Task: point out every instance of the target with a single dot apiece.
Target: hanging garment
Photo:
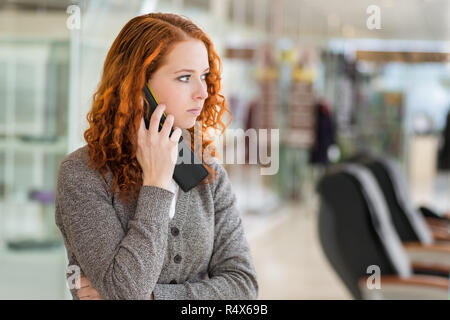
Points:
(444, 152)
(324, 134)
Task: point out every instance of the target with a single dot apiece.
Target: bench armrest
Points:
(436, 253)
(420, 287)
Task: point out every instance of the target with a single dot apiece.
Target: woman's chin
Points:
(188, 123)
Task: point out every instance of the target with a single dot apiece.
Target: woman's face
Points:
(181, 82)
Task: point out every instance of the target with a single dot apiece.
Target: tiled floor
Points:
(437, 197)
(288, 258)
(284, 242)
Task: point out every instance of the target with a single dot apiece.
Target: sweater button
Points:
(175, 231)
(177, 258)
(173, 281)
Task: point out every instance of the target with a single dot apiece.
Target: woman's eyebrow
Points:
(189, 70)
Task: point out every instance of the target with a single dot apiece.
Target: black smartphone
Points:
(186, 175)
(150, 106)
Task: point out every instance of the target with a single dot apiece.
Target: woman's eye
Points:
(188, 76)
(182, 77)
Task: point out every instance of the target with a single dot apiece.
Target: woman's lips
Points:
(195, 111)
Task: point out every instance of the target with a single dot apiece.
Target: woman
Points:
(127, 226)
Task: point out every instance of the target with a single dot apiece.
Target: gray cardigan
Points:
(128, 251)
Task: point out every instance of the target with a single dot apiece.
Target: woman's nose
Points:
(201, 90)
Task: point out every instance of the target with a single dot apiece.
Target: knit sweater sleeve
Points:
(231, 271)
(121, 264)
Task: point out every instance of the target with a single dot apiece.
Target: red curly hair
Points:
(117, 109)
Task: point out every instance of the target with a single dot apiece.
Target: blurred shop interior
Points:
(344, 96)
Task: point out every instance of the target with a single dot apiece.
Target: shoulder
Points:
(75, 167)
(76, 160)
(217, 166)
(80, 155)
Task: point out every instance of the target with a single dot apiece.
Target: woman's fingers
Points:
(167, 126)
(142, 128)
(87, 292)
(84, 282)
(92, 298)
(156, 118)
(155, 123)
(176, 134)
(142, 132)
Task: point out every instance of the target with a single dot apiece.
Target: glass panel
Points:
(2, 174)
(3, 92)
(25, 106)
(23, 175)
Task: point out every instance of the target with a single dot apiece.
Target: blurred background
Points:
(337, 78)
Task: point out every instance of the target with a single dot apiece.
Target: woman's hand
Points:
(157, 153)
(87, 290)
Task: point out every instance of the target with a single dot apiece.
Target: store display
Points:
(300, 115)
(381, 124)
(267, 113)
